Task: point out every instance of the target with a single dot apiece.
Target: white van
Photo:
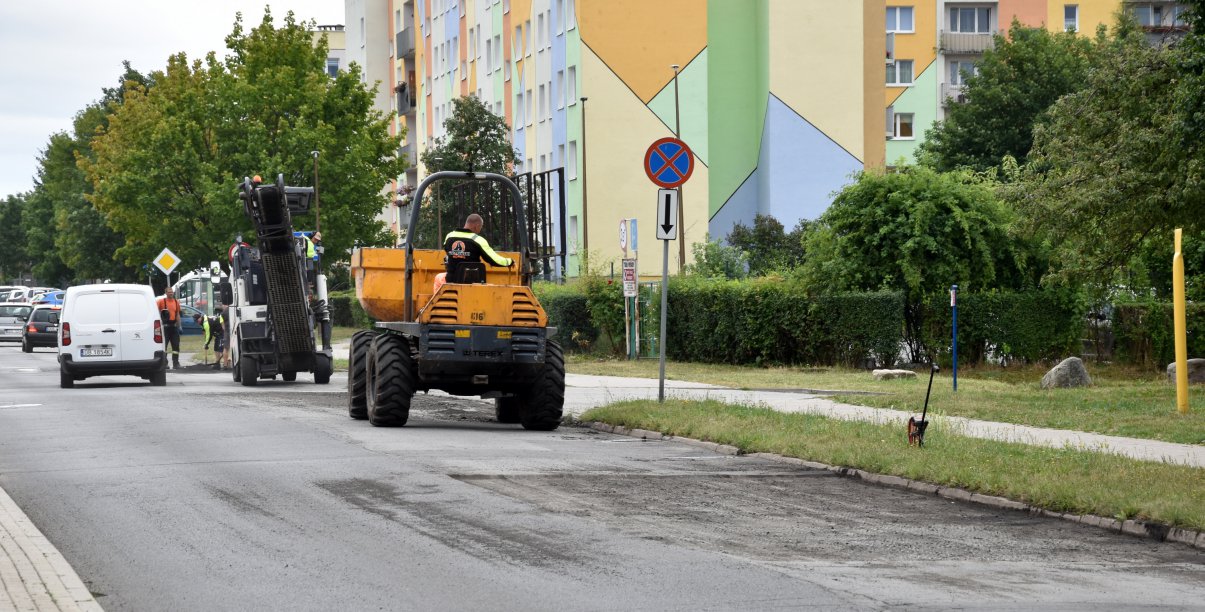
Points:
(110, 329)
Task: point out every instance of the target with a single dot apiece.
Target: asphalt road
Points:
(205, 495)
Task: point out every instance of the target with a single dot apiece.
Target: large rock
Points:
(890, 374)
(1070, 373)
(1196, 371)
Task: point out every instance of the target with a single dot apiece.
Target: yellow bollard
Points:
(1181, 328)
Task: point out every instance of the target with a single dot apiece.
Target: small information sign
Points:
(629, 277)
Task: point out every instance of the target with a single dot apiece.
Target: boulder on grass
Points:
(1070, 373)
(1196, 371)
(891, 374)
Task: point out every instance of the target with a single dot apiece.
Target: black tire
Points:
(248, 372)
(391, 381)
(357, 375)
(159, 379)
(544, 404)
(323, 368)
(288, 376)
(507, 409)
(66, 381)
(26, 347)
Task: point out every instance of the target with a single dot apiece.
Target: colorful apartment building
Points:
(781, 101)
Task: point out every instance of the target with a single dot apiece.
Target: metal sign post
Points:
(954, 335)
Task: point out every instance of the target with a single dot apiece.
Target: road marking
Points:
(20, 405)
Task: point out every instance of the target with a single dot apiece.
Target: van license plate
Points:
(96, 352)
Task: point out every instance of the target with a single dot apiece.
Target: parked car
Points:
(189, 327)
(12, 320)
(54, 298)
(15, 293)
(111, 329)
(41, 329)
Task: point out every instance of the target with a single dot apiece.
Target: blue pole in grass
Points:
(954, 337)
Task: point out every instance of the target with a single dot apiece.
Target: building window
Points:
(332, 66)
(527, 31)
(506, 71)
(573, 234)
(570, 16)
(362, 38)
(1071, 17)
(903, 126)
(497, 53)
(542, 107)
(560, 16)
(540, 30)
(572, 84)
(571, 161)
(972, 20)
(560, 89)
(560, 156)
(516, 43)
(899, 19)
(531, 101)
(899, 73)
(961, 70)
(543, 163)
(397, 21)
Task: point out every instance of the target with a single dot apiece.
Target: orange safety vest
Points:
(172, 306)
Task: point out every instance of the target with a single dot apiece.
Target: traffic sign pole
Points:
(664, 302)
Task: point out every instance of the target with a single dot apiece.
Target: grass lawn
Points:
(1124, 401)
(1057, 479)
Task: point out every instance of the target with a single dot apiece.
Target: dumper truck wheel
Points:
(248, 372)
(391, 383)
(544, 404)
(357, 375)
(323, 368)
(506, 409)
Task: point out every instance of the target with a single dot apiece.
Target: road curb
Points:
(1154, 531)
(33, 574)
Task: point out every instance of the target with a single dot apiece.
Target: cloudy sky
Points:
(59, 55)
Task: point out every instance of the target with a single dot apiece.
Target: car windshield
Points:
(42, 315)
(15, 311)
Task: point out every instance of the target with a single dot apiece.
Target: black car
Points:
(41, 329)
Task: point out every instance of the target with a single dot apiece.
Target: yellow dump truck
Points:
(487, 336)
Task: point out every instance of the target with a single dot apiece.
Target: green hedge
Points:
(1143, 333)
(768, 321)
(1026, 327)
(347, 312)
(568, 310)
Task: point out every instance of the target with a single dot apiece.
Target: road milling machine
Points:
(277, 293)
(482, 333)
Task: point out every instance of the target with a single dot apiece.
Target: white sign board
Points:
(667, 214)
(166, 261)
(629, 277)
(623, 235)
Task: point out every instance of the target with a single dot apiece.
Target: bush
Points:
(1143, 333)
(347, 312)
(1026, 327)
(569, 311)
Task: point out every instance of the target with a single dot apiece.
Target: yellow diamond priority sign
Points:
(166, 261)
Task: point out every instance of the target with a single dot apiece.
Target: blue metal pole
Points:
(954, 338)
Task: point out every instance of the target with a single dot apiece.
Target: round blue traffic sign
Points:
(669, 162)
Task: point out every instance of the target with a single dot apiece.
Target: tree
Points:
(714, 259)
(1015, 83)
(1108, 172)
(167, 167)
(475, 140)
(917, 231)
(768, 247)
(14, 262)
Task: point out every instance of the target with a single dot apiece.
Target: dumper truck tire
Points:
(288, 376)
(357, 375)
(323, 368)
(391, 382)
(543, 405)
(507, 409)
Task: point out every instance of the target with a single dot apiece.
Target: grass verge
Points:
(1123, 401)
(1062, 480)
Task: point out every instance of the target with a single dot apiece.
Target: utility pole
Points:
(681, 206)
(317, 201)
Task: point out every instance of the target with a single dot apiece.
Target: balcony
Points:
(952, 93)
(406, 151)
(966, 42)
(405, 44)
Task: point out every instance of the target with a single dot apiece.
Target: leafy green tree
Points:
(14, 261)
(1016, 82)
(37, 223)
(917, 231)
(167, 168)
(475, 140)
(714, 259)
(768, 246)
(1108, 173)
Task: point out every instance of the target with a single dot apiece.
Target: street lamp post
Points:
(317, 201)
(585, 191)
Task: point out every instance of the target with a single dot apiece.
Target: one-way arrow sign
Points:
(667, 214)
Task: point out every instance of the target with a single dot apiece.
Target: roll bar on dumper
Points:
(489, 339)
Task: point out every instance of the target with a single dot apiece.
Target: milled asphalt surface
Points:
(35, 576)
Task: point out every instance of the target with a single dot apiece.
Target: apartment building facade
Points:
(781, 101)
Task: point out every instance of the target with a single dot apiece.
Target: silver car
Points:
(12, 319)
